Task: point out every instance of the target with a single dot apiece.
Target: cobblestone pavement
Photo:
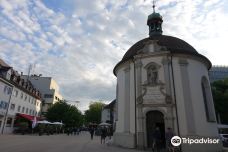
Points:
(56, 143)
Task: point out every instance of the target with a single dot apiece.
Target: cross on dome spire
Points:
(154, 22)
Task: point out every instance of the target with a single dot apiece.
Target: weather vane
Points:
(154, 5)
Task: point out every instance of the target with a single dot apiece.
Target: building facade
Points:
(163, 82)
(105, 115)
(108, 113)
(5, 95)
(218, 73)
(18, 97)
(48, 88)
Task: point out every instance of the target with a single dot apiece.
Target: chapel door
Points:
(155, 119)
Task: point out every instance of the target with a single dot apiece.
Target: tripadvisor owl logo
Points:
(176, 141)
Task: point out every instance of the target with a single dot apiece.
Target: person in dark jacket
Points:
(168, 136)
(91, 132)
(156, 146)
(103, 134)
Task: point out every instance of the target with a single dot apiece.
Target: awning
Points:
(28, 117)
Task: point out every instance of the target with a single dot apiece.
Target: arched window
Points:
(208, 100)
(152, 74)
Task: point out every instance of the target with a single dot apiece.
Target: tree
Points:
(68, 114)
(93, 114)
(220, 97)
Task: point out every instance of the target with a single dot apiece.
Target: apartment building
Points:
(18, 98)
(48, 88)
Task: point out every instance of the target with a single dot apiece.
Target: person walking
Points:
(168, 136)
(156, 146)
(103, 135)
(91, 132)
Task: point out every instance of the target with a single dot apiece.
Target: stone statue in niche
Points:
(152, 75)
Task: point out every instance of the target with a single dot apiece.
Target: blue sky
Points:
(78, 42)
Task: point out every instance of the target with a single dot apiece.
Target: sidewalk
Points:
(56, 143)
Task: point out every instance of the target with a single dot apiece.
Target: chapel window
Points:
(208, 101)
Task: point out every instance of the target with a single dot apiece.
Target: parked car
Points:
(223, 132)
(224, 138)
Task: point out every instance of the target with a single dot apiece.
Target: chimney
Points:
(21, 73)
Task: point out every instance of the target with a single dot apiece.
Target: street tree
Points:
(220, 97)
(93, 114)
(68, 114)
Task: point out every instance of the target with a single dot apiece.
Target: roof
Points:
(2, 63)
(154, 15)
(110, 105)
(172, 44)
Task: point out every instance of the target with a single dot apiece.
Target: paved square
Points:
(56, 143)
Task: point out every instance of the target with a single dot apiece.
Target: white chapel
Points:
(162, 81)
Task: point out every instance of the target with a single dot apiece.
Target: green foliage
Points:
(68, 114)
(220, 96)
(93, 114)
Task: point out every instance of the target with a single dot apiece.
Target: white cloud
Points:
(80, 50)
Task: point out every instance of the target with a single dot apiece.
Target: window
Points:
(25, 97)
(12, 106)
(18, 108)
(26, 111)
(48, 96)
(29, 99)
(208, 101)
(15, 93)
(7, 90)
(3, 105)
(9, 122)
(21, 95)
(30, 111)
(23, 110)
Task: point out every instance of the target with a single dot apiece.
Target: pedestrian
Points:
(103, 134)
(78, 130)
(156, 146)
(168, 136)
(91, 132)
(68, 131)
(109, 132)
